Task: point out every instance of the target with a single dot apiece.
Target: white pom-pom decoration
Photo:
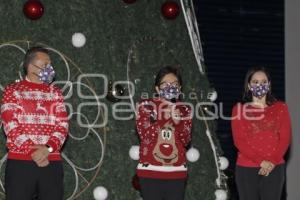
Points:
(100, 193)
(221, 194)
(192, 154)
(134, 152)
(224, 163)
(212, 95)
(78, 40)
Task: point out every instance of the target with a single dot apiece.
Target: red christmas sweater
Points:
(261, 134)
(33, 114)
(163, 140)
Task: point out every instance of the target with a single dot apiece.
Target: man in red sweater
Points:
(35, 122)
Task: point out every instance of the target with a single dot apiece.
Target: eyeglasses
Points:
(165, 84)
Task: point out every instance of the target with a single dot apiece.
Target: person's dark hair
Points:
(30, 55)
(247, 96)
(167, 70)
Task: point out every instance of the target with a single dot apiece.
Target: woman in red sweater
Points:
(164, 128)
(261, 131)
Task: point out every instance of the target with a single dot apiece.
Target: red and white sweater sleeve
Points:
(185, 125)
(285, 134)
(61, 129)
(147, 120)
(16, 139)
(240, 137)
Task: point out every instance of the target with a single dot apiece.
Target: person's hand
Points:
(168, 111)
(40, 155)
(266, 168)
(263, 172)
(43, 163)
(176, 116)
(171, 112)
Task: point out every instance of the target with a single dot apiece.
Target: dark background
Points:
(237, 35)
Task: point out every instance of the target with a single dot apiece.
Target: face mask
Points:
(170, 92)
(47, 74)
(260, 90)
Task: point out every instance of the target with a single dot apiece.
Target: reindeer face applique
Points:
(165, 150)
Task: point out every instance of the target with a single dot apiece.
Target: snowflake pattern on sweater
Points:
(33, 114)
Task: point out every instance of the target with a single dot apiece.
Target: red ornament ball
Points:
(33, 9)
(170, 9)
(129, 1)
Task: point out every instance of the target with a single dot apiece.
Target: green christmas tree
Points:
(127, 42)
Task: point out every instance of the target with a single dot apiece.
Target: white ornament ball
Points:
(212, 95)
(78, 40)
(100, 193)
(224, 163)
(221, 194)
(134, 152)
(192, 154)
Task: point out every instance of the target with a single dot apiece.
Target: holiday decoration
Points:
(129, 1)
(136, 183)
(224, 163)
(115, 91)
(134, 152)
(170, 9)
(212, 96)
(221, 194)
(78, 40)
(33, 9)
(98, 143)
(192, 154)
(100, 193)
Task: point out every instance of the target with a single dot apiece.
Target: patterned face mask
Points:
(260, 90)
(47, 74)
(169, 92)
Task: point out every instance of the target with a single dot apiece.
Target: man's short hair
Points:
(30, 55)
